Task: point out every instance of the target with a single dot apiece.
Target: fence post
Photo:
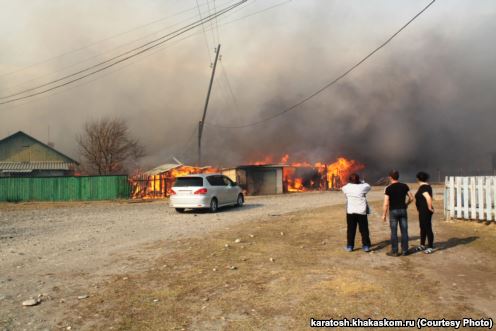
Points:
(446, 197)
(494, 196)
(451, 197)
(465, 198)
(458, 197)
(489, 204)
(473, 198)
(480, 191)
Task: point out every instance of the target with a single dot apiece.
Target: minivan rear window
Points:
(188, 181)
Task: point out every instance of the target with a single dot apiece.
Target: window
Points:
(227, 181)
(216, 180)
(188, 181)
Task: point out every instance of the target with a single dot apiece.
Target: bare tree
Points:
(107, 147)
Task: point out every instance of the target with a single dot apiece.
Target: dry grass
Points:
(310, 276)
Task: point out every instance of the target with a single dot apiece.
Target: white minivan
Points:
(205, 191)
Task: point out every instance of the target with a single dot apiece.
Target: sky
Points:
(425, 101)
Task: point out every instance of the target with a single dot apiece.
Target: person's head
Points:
(422, 176)
(394, 175)
(354, 178)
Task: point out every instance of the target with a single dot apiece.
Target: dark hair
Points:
(354, 178)
(394, 174)
(422, 176)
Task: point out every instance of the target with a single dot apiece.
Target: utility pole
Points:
(202, 122)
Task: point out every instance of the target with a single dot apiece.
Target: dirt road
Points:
(62, 251)
(287, 269)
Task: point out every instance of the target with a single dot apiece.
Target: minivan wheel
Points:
(180, 210)
(240, 201)
(214, 206)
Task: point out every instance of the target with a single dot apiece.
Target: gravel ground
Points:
(62, 251)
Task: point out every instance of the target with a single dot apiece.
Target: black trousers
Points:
(425, 220)
(363, 224)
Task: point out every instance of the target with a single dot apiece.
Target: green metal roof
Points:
(35, 165)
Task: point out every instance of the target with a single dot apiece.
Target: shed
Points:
(258, 179)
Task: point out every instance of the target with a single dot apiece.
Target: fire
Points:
(299, 176)
(158, 186)
(342, 169)
(304, 176)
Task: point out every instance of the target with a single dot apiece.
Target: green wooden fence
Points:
(64, 188)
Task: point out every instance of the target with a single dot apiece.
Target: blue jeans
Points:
(399, 216)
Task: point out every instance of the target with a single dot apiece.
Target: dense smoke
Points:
(427, 101)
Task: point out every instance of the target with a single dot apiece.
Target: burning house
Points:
(157, 183)
(305, 176)
(257, 178)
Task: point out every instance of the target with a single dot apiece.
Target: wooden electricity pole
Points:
(202, 122)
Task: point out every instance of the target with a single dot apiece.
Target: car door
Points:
(219, 188)
(231, 190)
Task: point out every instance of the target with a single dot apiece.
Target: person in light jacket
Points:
(356, 211)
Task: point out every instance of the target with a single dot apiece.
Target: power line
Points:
(282, 3)
(129, 43)
(177, 33)
(186, 28)
(204, 33)
(97, 42)
(109, 50)
(211, 24)
(326, 86)
(229, 86)
(159, 50)
(99, 55)
(217, 24)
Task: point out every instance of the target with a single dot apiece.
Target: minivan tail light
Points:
(172, 192)
(201, 191)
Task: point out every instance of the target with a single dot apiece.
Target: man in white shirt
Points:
(356, 212)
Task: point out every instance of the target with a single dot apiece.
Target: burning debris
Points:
(256, 178)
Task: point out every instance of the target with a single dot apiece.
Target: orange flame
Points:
(297, 176)
(160, 185)
(324, 175)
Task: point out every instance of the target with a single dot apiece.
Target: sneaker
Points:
(349, 249)
(392, 253)
(420, 248)
(366, 249)
(428, 251)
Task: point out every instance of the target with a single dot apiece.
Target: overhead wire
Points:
(72, 65)
(151, 53)
(204, 33)
(101, 54)
(216, 23)
(144, 48)
(97, 42)
(209, 10)
(327, 85)
(187, 28)
(186, 147)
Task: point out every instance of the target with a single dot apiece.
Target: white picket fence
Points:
(470, 198)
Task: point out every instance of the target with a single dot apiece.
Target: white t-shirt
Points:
(356, 198)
